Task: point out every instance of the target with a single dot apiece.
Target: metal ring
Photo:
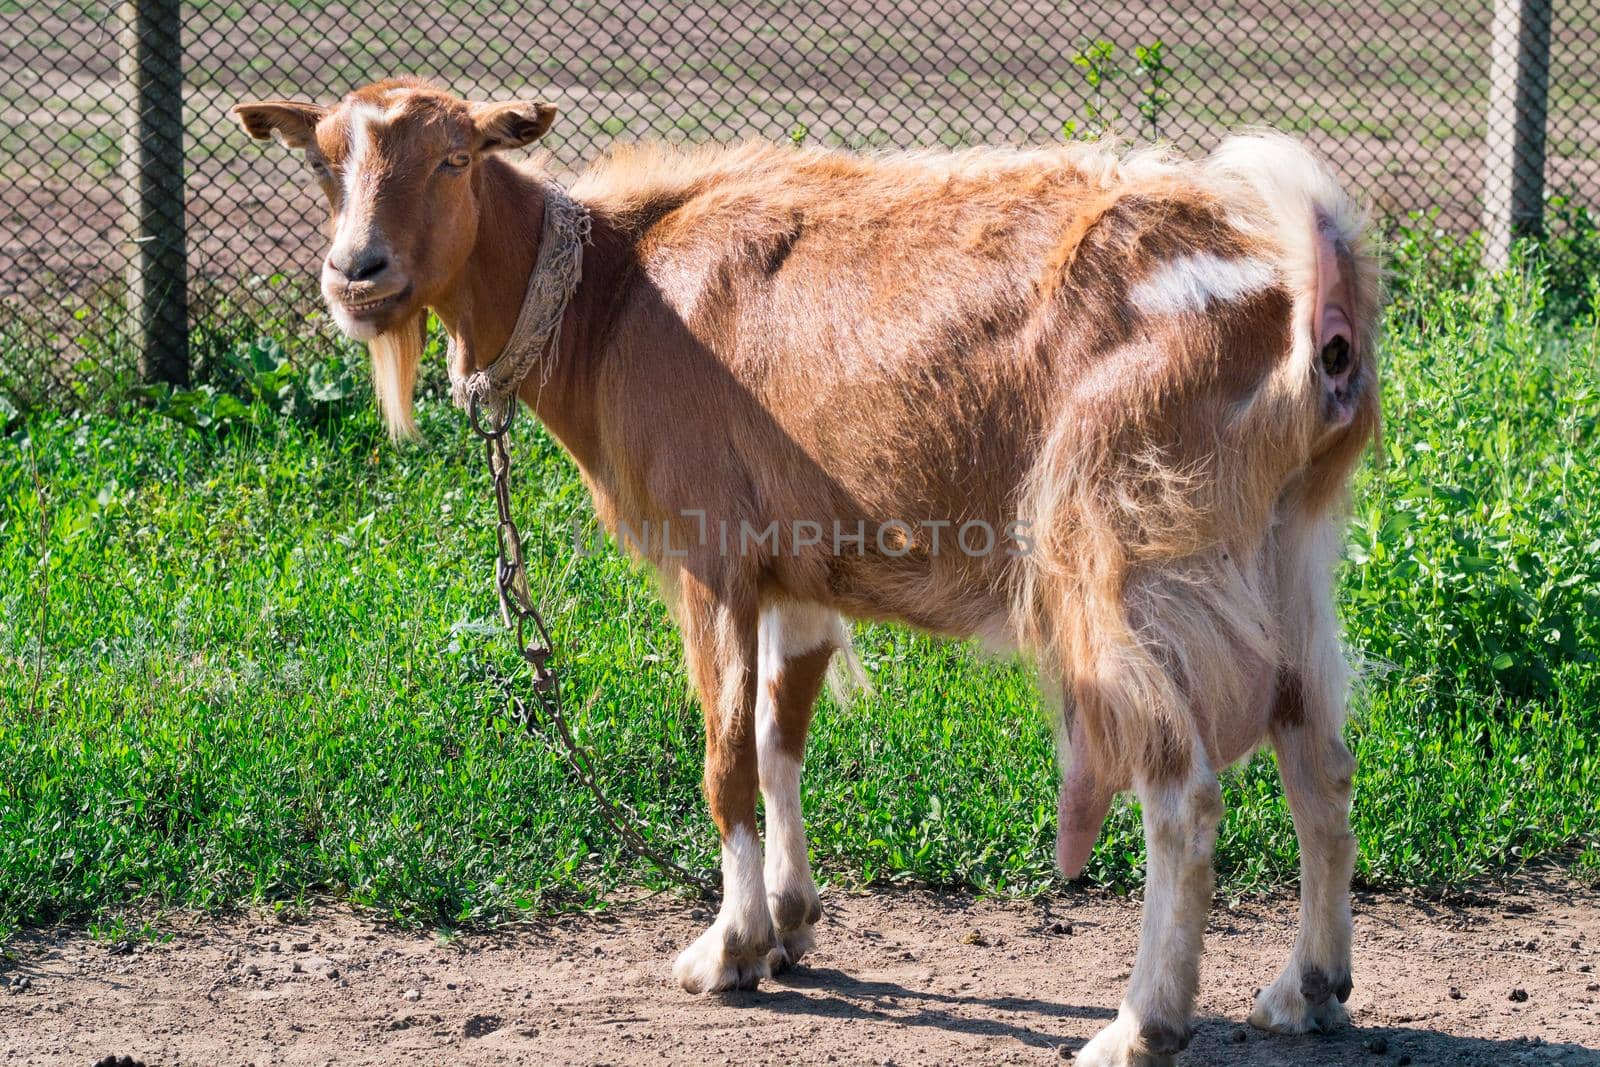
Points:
(496, 432)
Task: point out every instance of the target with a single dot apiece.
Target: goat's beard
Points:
(395, 355)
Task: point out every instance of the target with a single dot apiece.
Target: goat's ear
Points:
(511, 125)
(293, 121)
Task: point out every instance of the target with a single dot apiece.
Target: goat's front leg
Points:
(1181, 814)
(719, 637)
(797, 642)
(1317, 770)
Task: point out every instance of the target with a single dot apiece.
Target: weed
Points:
(1156, 98)
(1097, 61)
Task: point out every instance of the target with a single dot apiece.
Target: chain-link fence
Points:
(1399, 94)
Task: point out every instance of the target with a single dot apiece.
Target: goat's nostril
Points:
(1336, 356)
(367, 266)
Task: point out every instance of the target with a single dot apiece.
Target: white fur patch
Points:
(786, 836)
(789, 630)
(1191, 283)
(787, 867)
(707, 965)
(359, 190)
(744, 897)
(356, 223)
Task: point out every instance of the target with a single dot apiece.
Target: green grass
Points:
(243, 652)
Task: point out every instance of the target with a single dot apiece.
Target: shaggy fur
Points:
(896, 347)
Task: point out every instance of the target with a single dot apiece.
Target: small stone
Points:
(412, 995)
(1585, 968)
(301, 946)
(697, 914)
(449, 985)
(1377, 1046)
(1518, 995)
(1593, 987)
(331, 972)
(1239, 1037)
(344, 983)
(252, 970)
(1456, 994)
(297, 967)
(974, 937)
(1061, 928)
(276, 946)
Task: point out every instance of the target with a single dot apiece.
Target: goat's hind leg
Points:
(1317, 770)
(1182, 810)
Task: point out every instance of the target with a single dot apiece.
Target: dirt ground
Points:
(1505, 975)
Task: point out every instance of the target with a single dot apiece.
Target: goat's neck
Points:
(480, 308)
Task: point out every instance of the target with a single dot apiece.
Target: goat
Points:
(1154, 374)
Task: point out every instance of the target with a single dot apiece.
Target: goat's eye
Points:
(1336, 356)
(319, 168)
(456, 161)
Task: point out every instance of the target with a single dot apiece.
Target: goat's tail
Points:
(847, 678)
(1277, 186)
(1278, 189)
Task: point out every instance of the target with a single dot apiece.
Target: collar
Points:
(554, 279)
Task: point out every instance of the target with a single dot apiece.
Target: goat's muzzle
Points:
(368, 308)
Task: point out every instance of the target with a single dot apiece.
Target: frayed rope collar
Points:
(555, 278)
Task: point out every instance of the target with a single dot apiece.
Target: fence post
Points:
(152, 162)
(1519, 76)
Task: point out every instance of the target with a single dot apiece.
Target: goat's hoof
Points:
(722, 959)
(794, 917)
(791, 946)
(1126, 1044)
(1302, 1003)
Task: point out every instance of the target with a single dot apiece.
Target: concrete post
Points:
(1519, 76)
(152, 162)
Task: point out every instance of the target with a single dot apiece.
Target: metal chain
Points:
(546, 716)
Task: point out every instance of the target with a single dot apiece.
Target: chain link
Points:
(546, 715)
(1400, 106)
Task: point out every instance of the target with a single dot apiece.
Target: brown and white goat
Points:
(1155, 375)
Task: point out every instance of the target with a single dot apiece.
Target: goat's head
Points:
(398, 163)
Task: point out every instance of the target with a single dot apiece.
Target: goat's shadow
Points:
(830, 994)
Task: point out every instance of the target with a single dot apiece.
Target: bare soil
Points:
(1505, 975)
